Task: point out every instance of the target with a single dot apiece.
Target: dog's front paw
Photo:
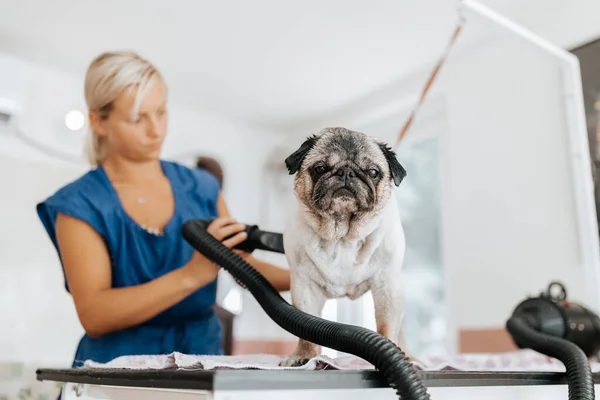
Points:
(294, 361)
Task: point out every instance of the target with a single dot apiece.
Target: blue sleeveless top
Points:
(191, 326)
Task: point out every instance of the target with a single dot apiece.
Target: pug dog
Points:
(345, 236)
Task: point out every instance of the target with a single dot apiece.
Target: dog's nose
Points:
(346, 173)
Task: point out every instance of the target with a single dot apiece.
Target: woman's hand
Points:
(278, 277)
(227, 227)
(203, 270)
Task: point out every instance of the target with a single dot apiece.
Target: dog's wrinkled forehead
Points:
(336, 145)
(341, 145)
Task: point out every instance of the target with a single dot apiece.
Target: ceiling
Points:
(264, 62)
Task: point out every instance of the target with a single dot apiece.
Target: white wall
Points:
(46, 330)
(566, 24)
(508, 208)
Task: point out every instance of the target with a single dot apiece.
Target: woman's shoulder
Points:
(89, 185)
(86, 198)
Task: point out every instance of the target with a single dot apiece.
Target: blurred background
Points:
(501, 156)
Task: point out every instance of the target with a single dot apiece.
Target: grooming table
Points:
(121, 384)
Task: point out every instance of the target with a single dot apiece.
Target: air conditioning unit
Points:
(9, 112)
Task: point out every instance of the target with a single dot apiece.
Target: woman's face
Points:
(136, 137)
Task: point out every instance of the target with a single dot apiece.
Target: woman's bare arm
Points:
(277, 276)
(103, 309)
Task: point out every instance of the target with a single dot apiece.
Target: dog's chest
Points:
(343, 269)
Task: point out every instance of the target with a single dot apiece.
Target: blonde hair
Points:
(107, 77)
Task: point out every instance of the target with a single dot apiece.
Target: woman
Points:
(137, 285)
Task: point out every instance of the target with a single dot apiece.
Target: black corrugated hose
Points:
(364, 343)
(579, 372)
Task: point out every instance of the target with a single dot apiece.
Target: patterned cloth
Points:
(522, 360)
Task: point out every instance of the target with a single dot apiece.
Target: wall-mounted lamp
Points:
(74, 120)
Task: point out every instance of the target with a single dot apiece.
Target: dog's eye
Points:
(373, 173)
(319, 169)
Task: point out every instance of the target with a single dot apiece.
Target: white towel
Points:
(249, 361)
(521, 360)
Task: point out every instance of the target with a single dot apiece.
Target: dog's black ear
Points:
(294, 161)
(398, 172)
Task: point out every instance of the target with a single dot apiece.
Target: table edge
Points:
(289, 380)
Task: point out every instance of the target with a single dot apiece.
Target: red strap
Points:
(429, 82)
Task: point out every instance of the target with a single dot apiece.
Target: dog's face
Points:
(342, 172)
